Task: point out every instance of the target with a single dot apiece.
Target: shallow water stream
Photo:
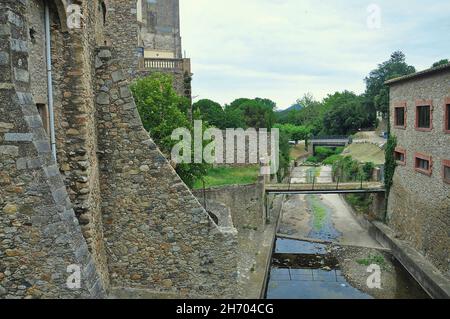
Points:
(305, 270)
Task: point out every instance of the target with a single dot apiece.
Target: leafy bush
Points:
(323, 153)
(312, 159)
(162, 110)
(368, 170)
(332, 159)
(348, 170)
(389, 168)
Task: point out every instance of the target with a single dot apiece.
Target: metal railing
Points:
(335, 137)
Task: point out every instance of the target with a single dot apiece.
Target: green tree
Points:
(257, 113)
(211, 111)
(162, 110)
(345, 114)
(377, 92)
(441, 62)
(294, 132)
(233, 118)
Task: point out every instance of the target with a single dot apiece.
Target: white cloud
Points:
(281, 49)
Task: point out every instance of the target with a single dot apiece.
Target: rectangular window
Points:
(43, 112)
(446, 171)
(423, 164)
(400, 117)
(400, 156)
(424, 115)
(424, 118)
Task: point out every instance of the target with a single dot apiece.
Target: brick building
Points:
(419, 201)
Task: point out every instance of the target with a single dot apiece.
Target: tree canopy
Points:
(377, 92)
(162, 110)
(441, 62)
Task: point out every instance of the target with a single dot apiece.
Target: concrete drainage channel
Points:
(311, 270)
(321, 251)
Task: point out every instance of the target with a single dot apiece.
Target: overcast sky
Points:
(282, 49)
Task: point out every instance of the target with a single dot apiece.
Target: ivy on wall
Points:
(389, 168)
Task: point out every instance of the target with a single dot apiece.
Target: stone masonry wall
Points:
(245, 201)
(419, 205)
(39, 233)
(158, 236)
(122, 33)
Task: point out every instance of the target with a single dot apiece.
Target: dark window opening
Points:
(447, 173)
(422, 164)
(424, 116)
(104, 12)
(213, 217)
(399, 116)
(399, 156)
(33, 35)
(43, 112)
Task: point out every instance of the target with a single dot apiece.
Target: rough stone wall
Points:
(158, 236)
(73, 59)
(115, 206)
(419, 205)
(122, 33)
(245, 201)
(162, 28)
(36, 45)
(39, 233)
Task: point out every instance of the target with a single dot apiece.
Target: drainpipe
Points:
(50, 79)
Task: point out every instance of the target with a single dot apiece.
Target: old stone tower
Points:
(159, 42)
(110, 204)
(160, 30)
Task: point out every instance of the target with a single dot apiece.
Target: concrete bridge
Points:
(326, 188)
(329, 141)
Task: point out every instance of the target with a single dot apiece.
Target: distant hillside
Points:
(282, 115)
(295, 107)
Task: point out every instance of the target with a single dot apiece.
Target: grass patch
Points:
(319, 213)
(373, 259)
(222, 176)
(365, 153)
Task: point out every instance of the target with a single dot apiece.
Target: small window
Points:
(400, 156)
(446, 171)
(400, 120)
(43, 112)
(424, 116)
(423, 164)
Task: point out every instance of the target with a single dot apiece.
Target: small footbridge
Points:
(330, 141)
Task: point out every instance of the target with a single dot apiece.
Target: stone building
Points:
(159, 42)
(419, 201)
(110, 205)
